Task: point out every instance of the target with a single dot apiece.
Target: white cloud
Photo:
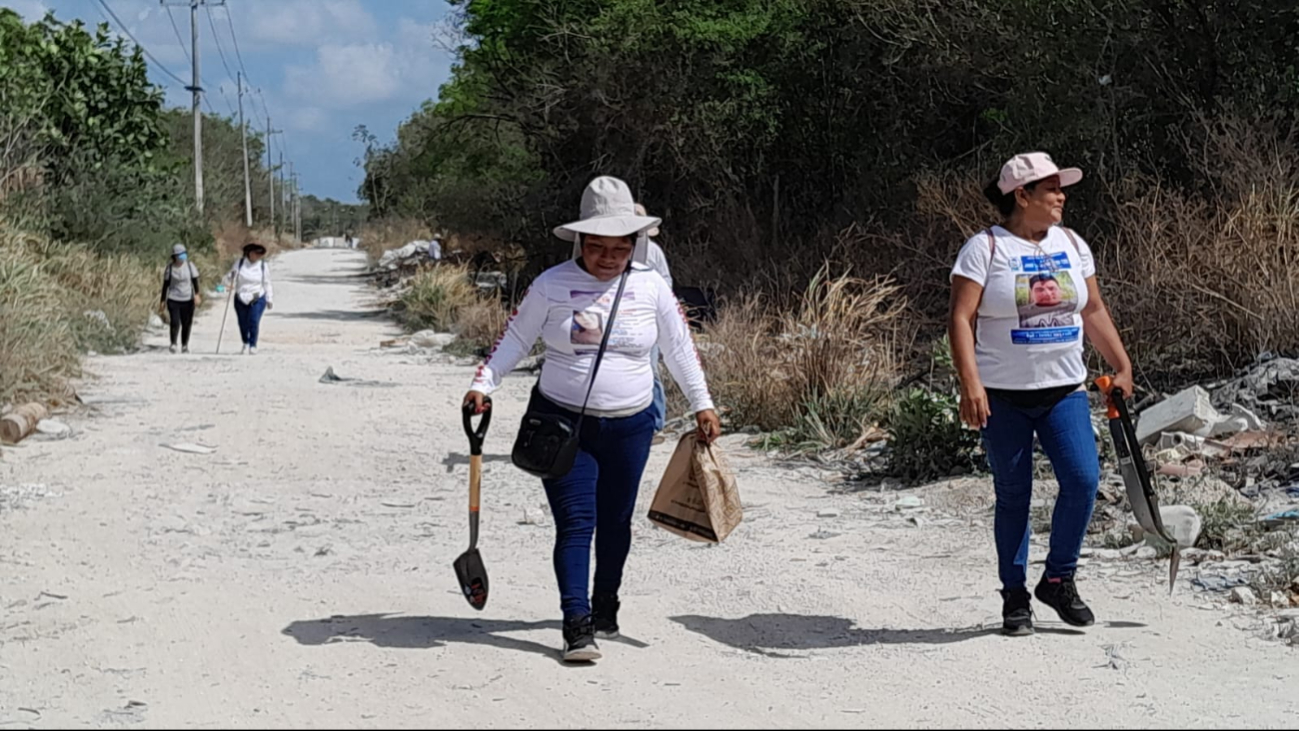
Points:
(31, 10)
(354, 74)
(307, 119)
(346, 75)
(311, 22)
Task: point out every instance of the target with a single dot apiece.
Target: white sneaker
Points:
(184, 349)
(243, 350)
(172, 349)
(252, 351)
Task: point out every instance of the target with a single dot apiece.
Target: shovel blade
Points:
(472, 574)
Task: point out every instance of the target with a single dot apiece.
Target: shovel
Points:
(1136, 475)
(469, 567)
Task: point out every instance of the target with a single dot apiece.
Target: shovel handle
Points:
(1104, 384)
(477, 436)
(475, 487)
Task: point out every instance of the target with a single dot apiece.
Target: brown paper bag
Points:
(698, 498)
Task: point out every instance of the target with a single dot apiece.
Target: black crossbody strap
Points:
(604, 343)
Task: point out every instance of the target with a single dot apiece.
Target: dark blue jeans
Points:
(1065, 433)
(597, 498)
(250, 320)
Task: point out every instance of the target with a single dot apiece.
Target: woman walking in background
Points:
(180, 295)
(600, 295)
(1024, 294)
(253, 294)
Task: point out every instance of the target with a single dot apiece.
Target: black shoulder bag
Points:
(547, 444)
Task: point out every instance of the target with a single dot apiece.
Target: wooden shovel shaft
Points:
(475, 491)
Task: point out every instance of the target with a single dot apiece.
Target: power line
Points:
(234, 37)
(212, 24)
(176, 29)
(145, 51)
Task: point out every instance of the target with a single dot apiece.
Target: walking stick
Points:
(225, 315)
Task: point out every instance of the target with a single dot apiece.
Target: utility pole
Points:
(297, 208)
(196, 88)
(270, 166)
(243, 130)
(284, 197)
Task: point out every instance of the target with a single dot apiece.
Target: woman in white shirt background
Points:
(598, 496)
(180, 295)
(253, 294)
(1022, 374)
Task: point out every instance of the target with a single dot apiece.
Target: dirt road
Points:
(300, 575)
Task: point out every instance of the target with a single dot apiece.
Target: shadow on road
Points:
(454, 459)
(418, 633)
(422, 633)
(338, 315)
(769, 634)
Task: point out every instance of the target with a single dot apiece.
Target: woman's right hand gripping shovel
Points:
(470, 570)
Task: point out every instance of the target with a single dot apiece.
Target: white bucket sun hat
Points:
(608, 209)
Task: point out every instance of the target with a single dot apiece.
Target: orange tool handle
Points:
(1105, 384)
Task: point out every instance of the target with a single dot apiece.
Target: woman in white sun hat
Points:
(604, 294)
(1024, 294)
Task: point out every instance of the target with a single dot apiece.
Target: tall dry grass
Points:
(481, 322)
(435, 298)
(59, 300)
(1202, 282)
(819, 372)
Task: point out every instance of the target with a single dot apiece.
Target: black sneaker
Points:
(1062, 596)
(579, 640)
(604, 613)
(1017, 613)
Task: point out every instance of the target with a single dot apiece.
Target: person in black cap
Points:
(253, 293)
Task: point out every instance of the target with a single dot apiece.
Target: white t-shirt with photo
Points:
(1029, 332)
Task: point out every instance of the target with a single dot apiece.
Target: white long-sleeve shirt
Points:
(568, 309)
(658, 261)
(251, 279)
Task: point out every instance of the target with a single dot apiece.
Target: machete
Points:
(1136, 475)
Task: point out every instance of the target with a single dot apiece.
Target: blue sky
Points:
(322, 67)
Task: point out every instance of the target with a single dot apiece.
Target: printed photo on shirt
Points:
(588, 328)
(1047, 302)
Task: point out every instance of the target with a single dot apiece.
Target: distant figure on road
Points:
(180, 295)
(349, 240)
(252, 292)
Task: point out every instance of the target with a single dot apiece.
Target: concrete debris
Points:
(432, 339)
(1243, 596)
(1182, 523)
(909, 502)
(1266, 387)
(1190, 411)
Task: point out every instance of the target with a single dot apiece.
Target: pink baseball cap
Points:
(1031, 167)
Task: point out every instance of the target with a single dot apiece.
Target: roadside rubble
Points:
(397, 266)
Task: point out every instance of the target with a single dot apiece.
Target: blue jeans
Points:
(660, 405)
(597, 498)
(250, 320)
(1065, 433)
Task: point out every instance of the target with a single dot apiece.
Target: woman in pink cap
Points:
(1024, 294)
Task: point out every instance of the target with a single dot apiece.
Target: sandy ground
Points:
(300, 575)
